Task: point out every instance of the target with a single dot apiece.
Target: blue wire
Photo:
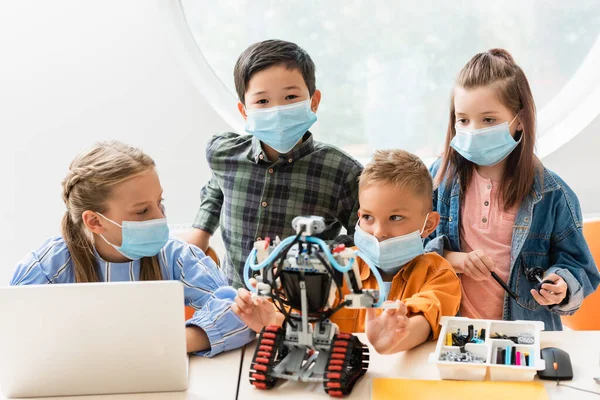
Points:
(257, 267)
(274, 254)
(309, 239)
(251, 256)
(343, 269)
(330, 256)
(382, 291)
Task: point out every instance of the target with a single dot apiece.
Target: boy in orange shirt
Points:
(395, 213)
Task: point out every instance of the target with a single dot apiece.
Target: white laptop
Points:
(92, 338)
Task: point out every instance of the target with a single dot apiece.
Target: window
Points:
(386, 69)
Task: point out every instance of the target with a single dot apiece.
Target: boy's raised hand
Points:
(255, 312)
(387, 330)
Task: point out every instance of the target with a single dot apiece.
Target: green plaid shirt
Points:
(254, 198)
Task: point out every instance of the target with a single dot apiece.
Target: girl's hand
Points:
(255, 312)
(551, 293)
(476, 264)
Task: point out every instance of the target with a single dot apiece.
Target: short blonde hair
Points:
(401, 169)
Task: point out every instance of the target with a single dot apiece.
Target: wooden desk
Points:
(210, 378)
(582, 346)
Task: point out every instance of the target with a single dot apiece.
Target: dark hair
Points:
(263, 55)
(496, 68)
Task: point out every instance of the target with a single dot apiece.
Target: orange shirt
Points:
(486, 226)
(427, 285)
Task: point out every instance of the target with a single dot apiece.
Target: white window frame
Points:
(566, 115)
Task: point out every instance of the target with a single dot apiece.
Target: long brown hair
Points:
(87, 186)
(496, 68)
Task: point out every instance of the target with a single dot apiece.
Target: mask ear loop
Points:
(102, 236)
(424, 223)
(513, 120)
(517, 134)
(108, 219)
(109, 243)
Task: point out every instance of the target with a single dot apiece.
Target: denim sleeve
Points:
(435, 243)
(206, 290)
(571, 260)
(570, 257)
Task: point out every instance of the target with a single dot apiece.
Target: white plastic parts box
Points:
(488, 349)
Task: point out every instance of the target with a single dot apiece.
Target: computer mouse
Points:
(558, 365)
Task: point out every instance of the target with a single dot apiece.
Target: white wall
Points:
(578, 163)
(73, 72)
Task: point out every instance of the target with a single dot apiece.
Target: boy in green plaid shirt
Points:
(261, 181)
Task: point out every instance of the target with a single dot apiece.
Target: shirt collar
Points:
(306, 147)
(543, 182)
(256, 152)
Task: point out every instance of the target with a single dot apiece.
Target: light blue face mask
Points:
(141, 238)
(280, 127)
(487, 146)
(391, 254)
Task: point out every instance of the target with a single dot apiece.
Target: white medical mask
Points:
(391, 254)
(487, 146)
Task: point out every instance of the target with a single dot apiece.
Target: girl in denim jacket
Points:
(501, 210)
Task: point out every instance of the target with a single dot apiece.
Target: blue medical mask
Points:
(280, 127)
(141, 238)
(391, 254)
(487, 146)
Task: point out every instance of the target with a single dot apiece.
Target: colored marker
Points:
(513, 356)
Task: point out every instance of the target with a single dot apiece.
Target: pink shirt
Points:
(485, 226)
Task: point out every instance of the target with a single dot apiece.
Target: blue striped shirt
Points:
(205, 286)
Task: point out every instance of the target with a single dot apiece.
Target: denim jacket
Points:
(547, 234)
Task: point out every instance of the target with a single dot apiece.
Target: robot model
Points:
(304, 277)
